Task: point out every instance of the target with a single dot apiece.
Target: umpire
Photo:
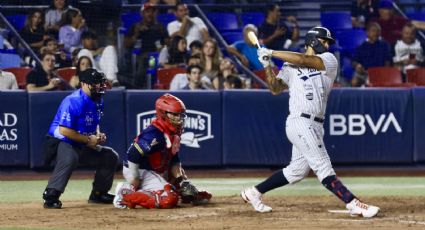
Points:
(74, 138)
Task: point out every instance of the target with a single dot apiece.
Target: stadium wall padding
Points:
(234, 128)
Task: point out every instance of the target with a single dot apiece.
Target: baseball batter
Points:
(309, 77)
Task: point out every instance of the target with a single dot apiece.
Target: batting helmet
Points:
(311, 38)
(171, 113)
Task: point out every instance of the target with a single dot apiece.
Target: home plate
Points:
(339, 211)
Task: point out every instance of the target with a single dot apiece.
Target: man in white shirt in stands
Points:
(7, 81)
(191, 28)
(408, 50)
(181, 80)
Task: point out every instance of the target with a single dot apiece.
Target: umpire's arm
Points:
(90, 141)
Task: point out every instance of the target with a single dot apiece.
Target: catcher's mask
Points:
(171, 113)
(311, 39)
(96, 82)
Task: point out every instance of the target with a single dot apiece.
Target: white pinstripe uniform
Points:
(308, 94)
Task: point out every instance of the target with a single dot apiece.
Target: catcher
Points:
(153, 172)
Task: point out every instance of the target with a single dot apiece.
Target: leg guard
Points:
(166, 198)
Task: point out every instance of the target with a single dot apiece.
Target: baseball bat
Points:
(254, 40)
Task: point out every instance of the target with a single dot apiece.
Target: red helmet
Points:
(171, 113)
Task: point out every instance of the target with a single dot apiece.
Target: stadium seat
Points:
(416, 76)
(128, 19)
(9, 59)
(384, 76)
(336, 20)
(256, 18)
(165, 76)
(416, 16)
(17, 20)
(232, 37)
(349, 40)
(224, 21)
(67, 73)
(166, 18)
(391, 85)
(20, 74)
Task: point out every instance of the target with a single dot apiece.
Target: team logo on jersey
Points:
(197, 126)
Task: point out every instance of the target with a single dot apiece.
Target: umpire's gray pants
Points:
(67, 160)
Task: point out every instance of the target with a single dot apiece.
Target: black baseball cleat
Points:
(54, 204)
(51, 198)
(101, 198)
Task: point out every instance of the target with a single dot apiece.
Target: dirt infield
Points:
(223, 213)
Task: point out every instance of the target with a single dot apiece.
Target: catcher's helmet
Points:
(171, 113)
(96, 80)
(311, 38)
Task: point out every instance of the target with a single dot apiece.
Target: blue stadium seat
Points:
(336, 20)
(407, 1)
(350, 39)
(1, 42)
(17, 20)
(166, 18)
(416, 16)
(256, 18)
(232, 37)
(224, 21)
(9, 59)
(128, 19)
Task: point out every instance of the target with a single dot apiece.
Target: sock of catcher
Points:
(333, 184)
(274, 181)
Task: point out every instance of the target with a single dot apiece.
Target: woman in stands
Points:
(33, 32)
(83, 63)
(54, 15)
(210, 58)
(227, 68)
(175, 55)
(73, 24)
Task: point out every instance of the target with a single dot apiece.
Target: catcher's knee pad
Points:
(168, 198)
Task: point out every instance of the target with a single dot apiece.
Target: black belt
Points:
(316, 119)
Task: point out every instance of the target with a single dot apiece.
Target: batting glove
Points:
(264, 56)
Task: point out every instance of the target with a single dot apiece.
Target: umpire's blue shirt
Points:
(78, 112)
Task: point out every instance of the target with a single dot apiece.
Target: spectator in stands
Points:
(233, 82)
(51, 46)
(73, 24)
(276, 35)
(43, 78)
(33, 32)
(148, 31)
(227, 68)
(149, 35)
(392, 24)
(362, 11)
(104, 59)
(195, 47)
(210, 58)
(54, 15)
(374, 52)
(181, 80)
(245, 51)
(175, 55)
(192, 28)
(7, 81)
(194, 73)
(408, 50)
(83, 63)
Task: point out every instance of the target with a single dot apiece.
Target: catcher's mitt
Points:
(188, 192)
